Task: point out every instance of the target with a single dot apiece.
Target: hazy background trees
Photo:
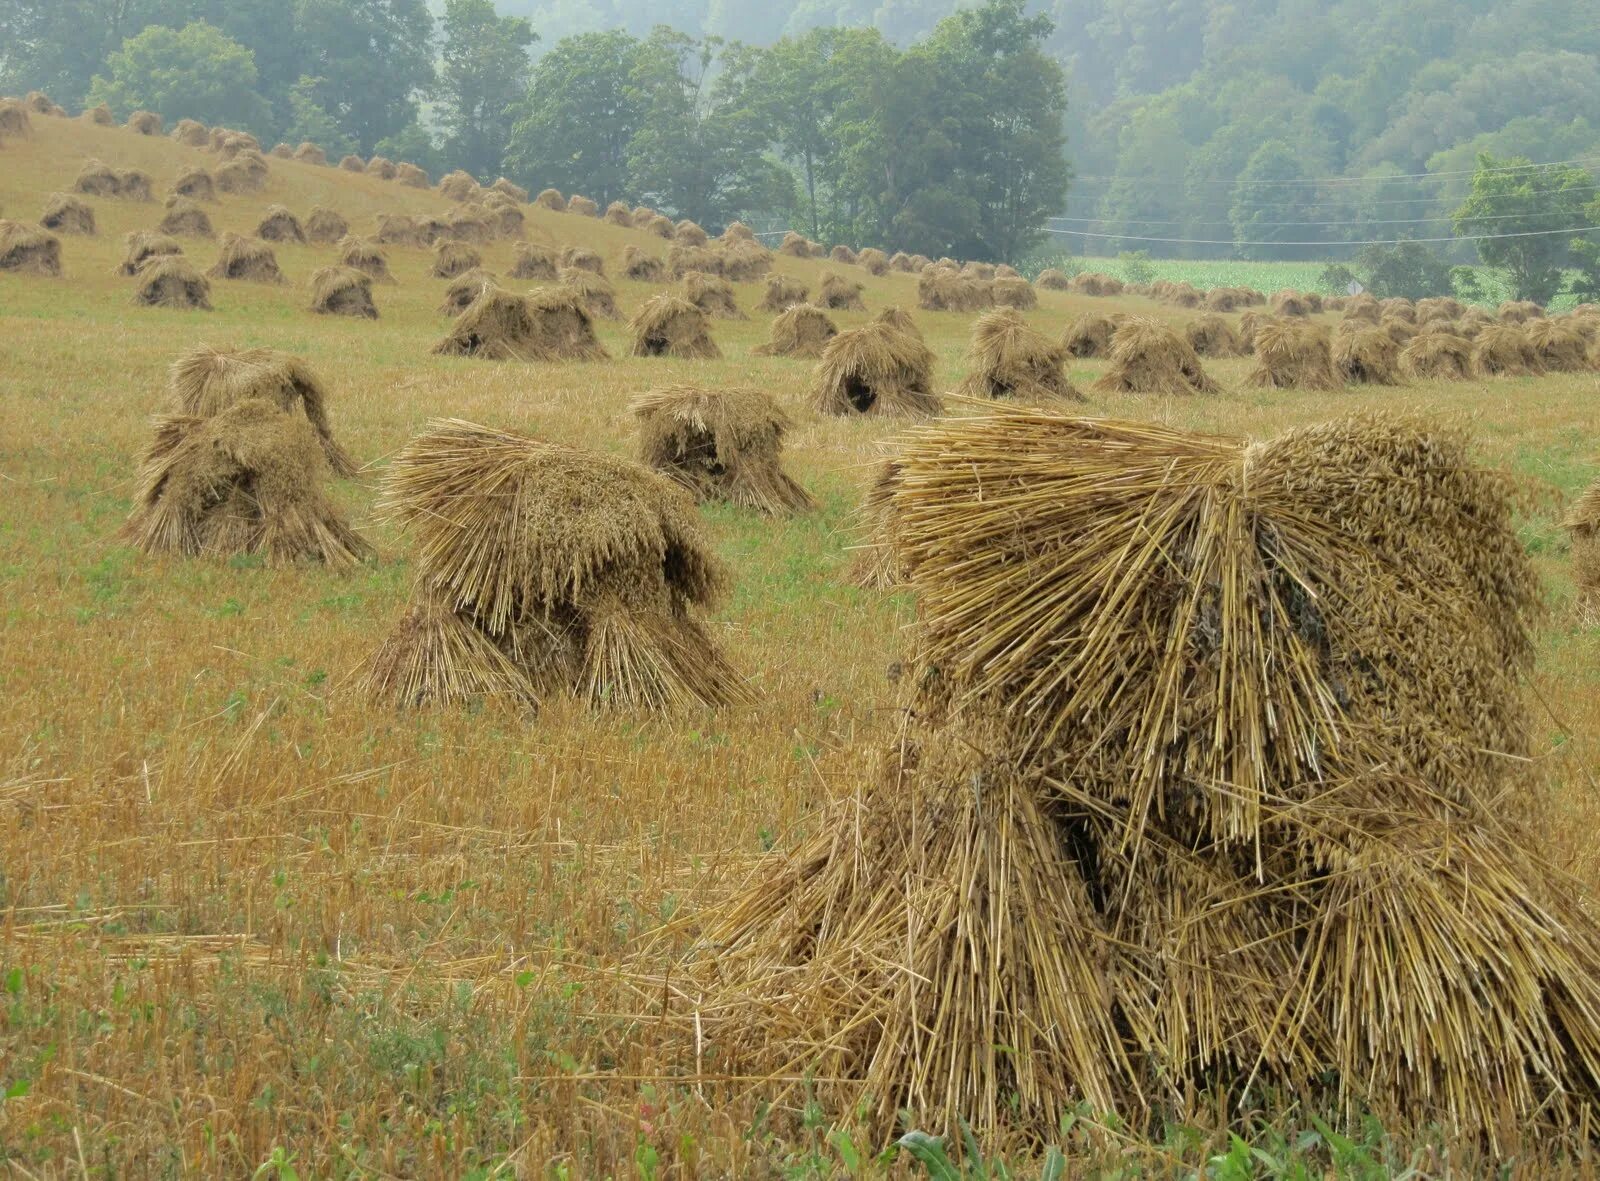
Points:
(1175, 127)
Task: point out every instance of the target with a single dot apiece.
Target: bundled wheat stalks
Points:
(545, 569)
(724, 444)
(1210, 782)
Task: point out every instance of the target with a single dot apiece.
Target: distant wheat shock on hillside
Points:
(499, 681)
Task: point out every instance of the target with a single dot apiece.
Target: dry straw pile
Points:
(800, 330)
(943, 290)
(29, 250)
(1437, 356)
(668, 325)
(1212, 336)
(1292, 354)
(838, 294)
(1366, 356)
(1560, 345)
(1147, 357)
(280, 225)
(1090, 335)
(582, 206)
(185, 219)
(240, 467)
(583, 259)
(642, 267)
(247, 480)
(366, 256)
(1504, 350)
(1007, 359)
(194, 183)
(1051, 279)
(247, 259)
(711, 294)
(324, 225)
(171, 281)
(1010, 291)
(551, 199)
(142, 244)
(310, 153)
(15, 122)
(454, 258)
(542, 569)
(191, 133)
(1250, 825)
(206, 381)
(551, 324)
(594, 291)
(782, 292)
(342, 291)
(66, 214)
(722, 445)
(95, 179)
(875, 369)
(532, 261)
(464, 289)
(411, 176)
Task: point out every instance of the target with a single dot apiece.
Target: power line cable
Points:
(1371, 242)
(1581, 162)
(1397, 221)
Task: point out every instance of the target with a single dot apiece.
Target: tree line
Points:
(954, 144)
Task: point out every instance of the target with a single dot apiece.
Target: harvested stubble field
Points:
(245, 916)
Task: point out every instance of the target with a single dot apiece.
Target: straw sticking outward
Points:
(721, 445)
(1210, 773)
(572, 571)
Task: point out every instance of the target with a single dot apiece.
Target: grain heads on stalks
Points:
(325, 225)
(342, 291)
(542, 569)
(532, 261)
(551, 324)
(1366, 356)
(1293, 355)
(280, 225)
(1147, 357)
(800, 330)
(875, 369)
(247, 480)
(171, 281)
(29, 250)
(142, 244)
(668, 325)
(206, 380)
(246, 259)
(1008, 359)
(1504, 350)
(66, 214)
(721, 445)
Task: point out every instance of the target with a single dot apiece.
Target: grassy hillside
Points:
(242, 913)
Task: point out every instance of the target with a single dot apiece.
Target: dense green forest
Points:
(1287, 129)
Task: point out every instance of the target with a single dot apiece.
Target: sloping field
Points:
(245, 912)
